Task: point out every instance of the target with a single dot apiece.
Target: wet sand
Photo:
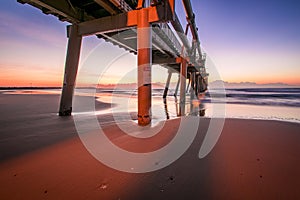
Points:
(42, 157)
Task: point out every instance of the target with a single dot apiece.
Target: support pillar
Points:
(183, 73)
(167, 85)
(192, 93)
(188, 86)
(71, 67)
(144, 42)
(177, 87)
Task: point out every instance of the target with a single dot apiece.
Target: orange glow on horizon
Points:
(25, 83)
(49, 77)
(58, 82)
(23, 79)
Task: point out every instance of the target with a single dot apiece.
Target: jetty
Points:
(151, 29)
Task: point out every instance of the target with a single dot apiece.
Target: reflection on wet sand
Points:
(166, 108)
(196, 106)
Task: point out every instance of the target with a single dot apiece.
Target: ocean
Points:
(289, 97)
(282, 104)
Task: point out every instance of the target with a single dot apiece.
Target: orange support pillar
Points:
(144, 42)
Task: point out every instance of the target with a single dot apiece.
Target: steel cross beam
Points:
(123, 21)
(60, 8)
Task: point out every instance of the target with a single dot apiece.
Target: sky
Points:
(248, 41)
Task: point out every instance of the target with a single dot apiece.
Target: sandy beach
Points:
(149, 100)
(42, 157)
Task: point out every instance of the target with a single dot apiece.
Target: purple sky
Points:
(247, 41)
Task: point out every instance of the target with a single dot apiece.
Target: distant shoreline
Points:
(28, 88)
(59, 88)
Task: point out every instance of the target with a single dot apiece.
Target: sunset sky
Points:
(255, 41)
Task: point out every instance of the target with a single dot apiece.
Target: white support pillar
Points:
(188, 86)
(144, 42)
(192, 92)
(183, 73)
(177, 86)
(167, 85)
(71, 67)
